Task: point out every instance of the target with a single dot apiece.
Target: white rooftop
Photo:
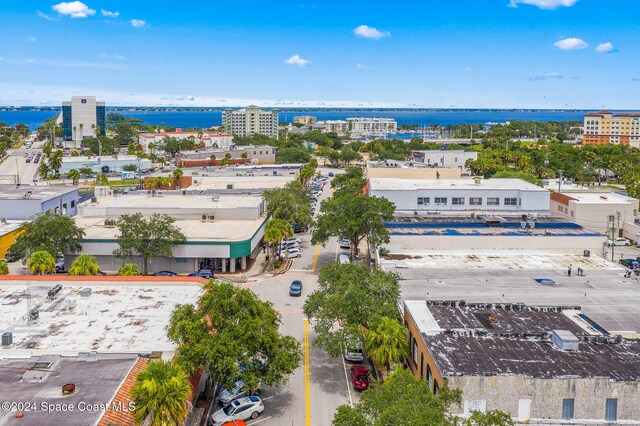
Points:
(241, 182)
(600, 198)
(118, 317)
(10, 226)
(83, 159)
(387, 184)
(175, 199)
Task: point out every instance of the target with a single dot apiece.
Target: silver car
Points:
(237, 391)
(353, 350)
(241, 409)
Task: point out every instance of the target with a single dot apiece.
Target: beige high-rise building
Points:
(604, 127)
(251, 120)
(304, 119)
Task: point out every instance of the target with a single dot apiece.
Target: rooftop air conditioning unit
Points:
(109, 223)
(211, 217)
(204, 217)
(230, 186)
(565, 340)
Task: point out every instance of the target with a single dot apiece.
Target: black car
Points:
(295, 289)
(165, 274)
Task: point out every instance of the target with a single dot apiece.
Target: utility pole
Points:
(612, 232)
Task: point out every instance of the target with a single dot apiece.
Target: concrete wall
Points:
(595, 216)
(553, 244)
(25, 209)
(631, 231)
(412, 173)
(425, 361)
(546, 395)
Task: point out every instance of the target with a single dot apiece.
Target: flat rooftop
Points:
(584, 197)
(10, 226)
(603, 293)
(97, 379)
(194, 229)
(267, 181)
(498, 339)
(387, 184)
(173, 199)
(13, 192)
(83, 159)
(117, 317)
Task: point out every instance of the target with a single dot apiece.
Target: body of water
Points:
(204, 119)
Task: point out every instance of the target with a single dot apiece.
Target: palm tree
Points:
(74, 134)
(244, 155)
(161, 394)
(44, 170)
(55, 162)
(101, 180)
(4, 268)
(84, 265)
(212, 157)
(386, 342)
(159, 181)
(306, 173)
(74, 175)
(226, 160)
(41, 262)
(178, 173)
(81, 127)
(275, 231)
(129, 270)
(47, 148)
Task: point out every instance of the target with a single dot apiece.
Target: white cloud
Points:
(571, 43)
(544, 4)
(31, 61)
(33, 39)
(191, 98)
(468, 69)
(109, 14)
(75, 9)
(547, 76)
(119, 57)
(44, 16)
(138, 23)
(361, 67)
(605, 48)
(366, 31)
(298, 61)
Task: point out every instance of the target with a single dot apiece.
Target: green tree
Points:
(55, 161)
(84, 265)
(403, 400)
(147, 237)
(349, 297)
(306, 172)
(44, 170)
(212, 157)
(130, 167)
(161, 394)
(352, 181)
(293, 155)
(50, 232)
(159, 182)
(4, 268)
(291, 203)
(231, 334)
(102, 180)
(124, 133)
(41, 262)
(226, 160)
(275, 231)
(386, 342)
(178, 173)
(129, 270)
(74, 175)
(353, 216)
(47, 148)
(244, 155)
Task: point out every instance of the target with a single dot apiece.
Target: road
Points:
(17, 162)
(296, 402)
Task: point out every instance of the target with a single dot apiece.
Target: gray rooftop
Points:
(13, 192)
(97, 379)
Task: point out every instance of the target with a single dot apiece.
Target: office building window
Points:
(611, 410)
(493, 201)
(475, 201)
(440, 200)
(457, 201)
(423, 201)
(567, 408)
(83, 101)
(510, 201)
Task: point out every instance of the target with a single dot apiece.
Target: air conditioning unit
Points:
(204, 217)
(110, 223)
(211, 217)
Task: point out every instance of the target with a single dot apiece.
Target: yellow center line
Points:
(315, 258)
(307, 376)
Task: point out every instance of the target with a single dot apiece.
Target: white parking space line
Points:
(267, 398)
(346, 377)
(259, 421)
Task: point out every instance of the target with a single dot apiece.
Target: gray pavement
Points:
(15, 164)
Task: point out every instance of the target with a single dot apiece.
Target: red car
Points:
(360, 377)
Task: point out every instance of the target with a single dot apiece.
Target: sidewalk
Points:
(257, 266)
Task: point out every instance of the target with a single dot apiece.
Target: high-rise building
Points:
(82, 118)
(251, 120)
(372, 125)
(604, 127)
(304, 119)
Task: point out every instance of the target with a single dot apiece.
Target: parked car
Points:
(345, 243)
(344, 258)
(630, 263)
(360, 377)
(353, 349)
(59, 266)
(203, 273)
(237, 391)
(618, 242)
(241, 409)
(330, 174)
(293, 253)
(295, 289)
(165, 274)
(293, 240)
(235, 423)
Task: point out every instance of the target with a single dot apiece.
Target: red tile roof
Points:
(561, 198)
(124, 417)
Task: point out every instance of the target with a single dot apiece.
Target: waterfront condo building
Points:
(304, 119)
(82, 118)
(604, 127)
(251, 120)
(372, 125)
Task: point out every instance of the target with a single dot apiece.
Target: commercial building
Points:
(341, 127)
(409, 170)
(205, 139)
(304, 119)
(23, 202)
(604, 127)
(539, 364)
(256, 154)
(223, 229)
(82, 118)
(597, 210)
(9, 231)
(251, 120)
(456, 195)
(372, 126)
(104, 164)
(445, 159)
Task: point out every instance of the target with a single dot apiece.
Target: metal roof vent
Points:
(68, 389)
(565, 340)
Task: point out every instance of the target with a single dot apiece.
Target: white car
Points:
(293, 253)
(353, 350)
(344, 258)
(345, 243)
(618, 242)
(245, 408)
(292, 240)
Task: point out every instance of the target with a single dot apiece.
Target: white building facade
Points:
(82, 118)
(340, 127)
(251, 120)
(372, 125)
(441, 195)
(203, 139)
(104, 164)
(455, 159)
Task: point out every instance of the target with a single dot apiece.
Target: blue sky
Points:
(426, 53)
